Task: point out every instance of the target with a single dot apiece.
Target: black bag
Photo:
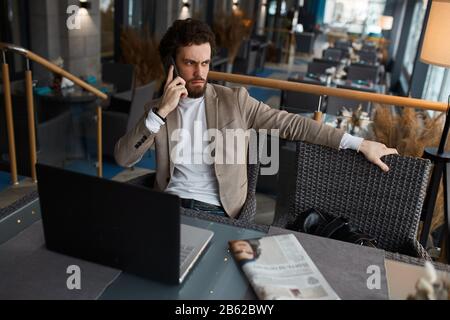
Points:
(330, 226)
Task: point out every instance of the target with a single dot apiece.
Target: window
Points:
(355, 16)
(415, 31)
(273, 8)
(140, 14)
(437, 84)
(107, 25)
(13, 17)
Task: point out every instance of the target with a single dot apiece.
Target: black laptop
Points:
(121, 225)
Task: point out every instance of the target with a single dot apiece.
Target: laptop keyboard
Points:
(185, 252)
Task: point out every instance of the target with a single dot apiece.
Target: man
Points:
(187, 100)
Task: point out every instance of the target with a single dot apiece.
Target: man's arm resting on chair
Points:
(294, 127)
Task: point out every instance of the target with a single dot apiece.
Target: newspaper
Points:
(278, 268)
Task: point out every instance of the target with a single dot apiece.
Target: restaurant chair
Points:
(333, 54)
(363, 73)
(304, 42)
(368, 57)
(386, 206)
(263, 45)
(369, 46)
(116, 124)
(120, 75)
(319, 66)
(299, 102)
(343, 44)
(245, 61)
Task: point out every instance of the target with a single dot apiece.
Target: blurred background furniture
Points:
(120, 75)
(263, 45)
(368, 57)
(343, 44)
(304, 42)
(53, 124)
(116, 124)
(335, 104)
(245, 62)
(319, 66)
(363, 72)
(334, 54)
(298, 102)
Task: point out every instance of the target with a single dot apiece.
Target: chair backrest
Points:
(386, 206)
(343, 44)
(320, 66)
(369, 46)
(304, 42)
(299, 102)
(369, 57)
(142, 95)
(362, 72)
(334, 54)
(119, 74)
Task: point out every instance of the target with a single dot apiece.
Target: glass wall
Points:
(414, 37)
(437, 85)
(360, 17)
(13, 29)
(140, 14)
(107, 28)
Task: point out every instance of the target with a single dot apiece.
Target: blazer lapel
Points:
(211, 107)
(173, 122)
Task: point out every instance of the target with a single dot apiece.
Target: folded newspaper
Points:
(278, 268)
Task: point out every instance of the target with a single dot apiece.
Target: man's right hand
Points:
(174, 90)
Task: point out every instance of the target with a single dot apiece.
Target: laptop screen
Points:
(121, 225)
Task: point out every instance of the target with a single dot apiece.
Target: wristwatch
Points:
(155, 111)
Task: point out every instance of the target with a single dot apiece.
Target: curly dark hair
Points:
(184, 33)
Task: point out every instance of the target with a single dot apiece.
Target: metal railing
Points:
(28, 55)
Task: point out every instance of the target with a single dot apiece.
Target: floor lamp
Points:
(436, 51)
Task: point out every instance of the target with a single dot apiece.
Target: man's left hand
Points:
(373, 151)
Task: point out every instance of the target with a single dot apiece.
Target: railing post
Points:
(318, 114)
(99, 142)
(31, 124)
(9, 120)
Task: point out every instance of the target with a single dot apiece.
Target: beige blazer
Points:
(226, 108)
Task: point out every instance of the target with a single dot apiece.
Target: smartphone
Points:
(171, 62)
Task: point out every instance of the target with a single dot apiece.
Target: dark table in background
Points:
(82, 106)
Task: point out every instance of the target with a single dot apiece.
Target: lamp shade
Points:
(386, 22)
(436, 44)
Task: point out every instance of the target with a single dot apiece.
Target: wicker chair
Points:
(386, 206)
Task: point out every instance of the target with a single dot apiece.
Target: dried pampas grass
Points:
(141, 50)
(231, 30)
(410, 132)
